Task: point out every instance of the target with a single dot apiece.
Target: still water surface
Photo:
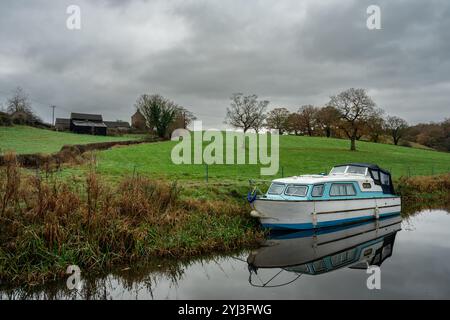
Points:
(413, 255)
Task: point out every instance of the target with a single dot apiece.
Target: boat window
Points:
(375, 174)
(319, 266)
(340, 169)
(317, 190)
(366, 185)
(276, 188)
(296, 190)
(384, 178)
(356, 170)
(301, 269)
(342, 189)
(343, 257)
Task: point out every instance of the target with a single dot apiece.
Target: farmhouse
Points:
(87, 123)
(138, 121)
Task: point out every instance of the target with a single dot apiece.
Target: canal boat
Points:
(350, 193)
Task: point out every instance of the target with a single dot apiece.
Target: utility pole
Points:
(53, 115)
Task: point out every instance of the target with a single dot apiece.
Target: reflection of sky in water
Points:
(418, 268)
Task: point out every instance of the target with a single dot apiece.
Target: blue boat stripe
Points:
(303, 226)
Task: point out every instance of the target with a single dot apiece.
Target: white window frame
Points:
(346, 195)
(296, 185)
(365, 171)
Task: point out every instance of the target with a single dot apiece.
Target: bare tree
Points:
(19, 108)
(259, 124)
(158, 112)
(355, 108)
(308, 118)
(19, 102)
(396, 127)
(278, 119)
(327, 119)
(246, 112)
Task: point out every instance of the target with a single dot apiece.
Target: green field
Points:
(298, 155)
(23, 139)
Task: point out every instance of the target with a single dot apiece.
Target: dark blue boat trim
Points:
(307, 226)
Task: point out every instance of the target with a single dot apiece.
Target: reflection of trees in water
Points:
(142, 278)
(413, 207)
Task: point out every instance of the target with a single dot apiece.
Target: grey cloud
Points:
(199, 52)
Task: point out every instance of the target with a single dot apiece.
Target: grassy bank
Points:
(24, 139)
(47, 224)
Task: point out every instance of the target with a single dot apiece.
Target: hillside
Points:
(24, 139)
(298, 155)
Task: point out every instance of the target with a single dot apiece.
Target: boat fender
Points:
(255, 214)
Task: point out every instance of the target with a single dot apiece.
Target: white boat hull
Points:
(300, 215)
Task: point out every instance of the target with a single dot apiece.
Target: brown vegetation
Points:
(423, 192)
(47, 224)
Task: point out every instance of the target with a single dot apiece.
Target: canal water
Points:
(390, 259)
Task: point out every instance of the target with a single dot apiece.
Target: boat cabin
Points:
(380, 176)
(346, 181)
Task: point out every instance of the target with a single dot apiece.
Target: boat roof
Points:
(363, 164)
(314, 179)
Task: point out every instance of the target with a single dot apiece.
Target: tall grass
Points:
(424, 192)
(47, 223)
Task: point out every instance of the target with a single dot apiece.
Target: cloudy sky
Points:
(198, 53)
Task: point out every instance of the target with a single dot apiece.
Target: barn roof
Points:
(62, 121)
(86, 116)
(88, 124)
(117, 124)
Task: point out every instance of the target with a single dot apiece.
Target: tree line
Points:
(351, 114)
(435, 135)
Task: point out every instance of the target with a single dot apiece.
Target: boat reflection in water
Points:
(315, 252)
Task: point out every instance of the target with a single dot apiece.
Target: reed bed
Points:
(47, 223)
(424, 192)
(420, 187)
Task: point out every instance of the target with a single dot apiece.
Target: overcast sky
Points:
(198, 53)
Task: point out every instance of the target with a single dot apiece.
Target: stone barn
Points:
(138, 121)
(87, 124)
